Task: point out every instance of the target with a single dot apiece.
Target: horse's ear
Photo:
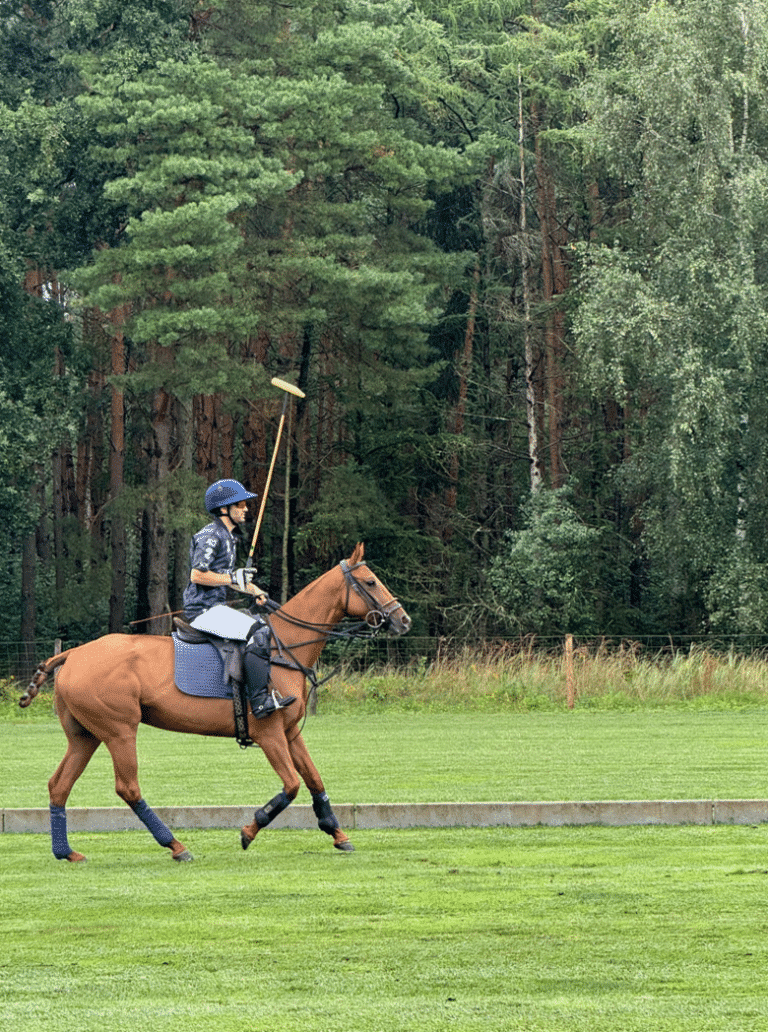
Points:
(359, 552)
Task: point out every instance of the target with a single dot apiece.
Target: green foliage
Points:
(35, 410)
(671, 311)
(544, 577)
(182, 136)
(337, 188)
(351, 507)
(737, 599)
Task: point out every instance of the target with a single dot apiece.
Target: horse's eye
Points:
(371, 583)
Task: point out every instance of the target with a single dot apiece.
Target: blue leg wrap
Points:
(326, 819)
(59, 844)
(275, 806)
(162, 834)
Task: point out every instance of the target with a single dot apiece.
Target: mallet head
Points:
(284, 386)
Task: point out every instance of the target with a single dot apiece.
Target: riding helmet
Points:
(224, 493)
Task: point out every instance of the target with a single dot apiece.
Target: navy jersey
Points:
(212, 548)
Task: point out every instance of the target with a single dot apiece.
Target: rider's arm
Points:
(210, 579)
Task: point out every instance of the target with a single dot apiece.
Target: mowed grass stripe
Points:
(420, 757)
(535, 930)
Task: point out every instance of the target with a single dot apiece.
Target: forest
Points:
(514, 253)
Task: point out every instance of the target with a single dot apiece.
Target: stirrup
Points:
(272, 704)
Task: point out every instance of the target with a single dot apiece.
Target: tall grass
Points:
(520, 678)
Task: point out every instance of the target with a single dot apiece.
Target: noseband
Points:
(378, 616)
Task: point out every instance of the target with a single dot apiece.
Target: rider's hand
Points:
(242, 580)
(259, 594)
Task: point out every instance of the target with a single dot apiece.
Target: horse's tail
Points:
(41, 675)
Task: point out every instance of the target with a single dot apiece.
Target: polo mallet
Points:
(288, 388)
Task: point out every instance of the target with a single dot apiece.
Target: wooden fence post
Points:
(569, 676)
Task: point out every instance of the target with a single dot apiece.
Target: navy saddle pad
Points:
(199, 670)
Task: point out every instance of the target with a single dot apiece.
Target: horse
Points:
(105, 688)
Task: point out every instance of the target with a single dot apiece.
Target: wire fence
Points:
(19, 659)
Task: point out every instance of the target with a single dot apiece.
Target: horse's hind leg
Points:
(126, 765)
(326, 818)
(81, 745)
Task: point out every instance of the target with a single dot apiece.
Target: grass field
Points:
(395, 756)
(500, 930)
(641, 929)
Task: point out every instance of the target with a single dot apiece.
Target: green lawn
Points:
(430, 757)
(641, 929)
(536, 930)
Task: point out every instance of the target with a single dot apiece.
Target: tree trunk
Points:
(464, 368)
(207, 454)
(156, 533)
(554, 283)
(63, 499)
(118, 537)
(28, 623)
(184, 457)
(253, 435)
(531, 408)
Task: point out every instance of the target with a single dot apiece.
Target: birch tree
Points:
(672, 314)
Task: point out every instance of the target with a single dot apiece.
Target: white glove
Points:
(241, 579)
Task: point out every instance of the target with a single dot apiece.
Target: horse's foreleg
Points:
(264, 816)
(326, 818)
(125, 762)
(275, 748)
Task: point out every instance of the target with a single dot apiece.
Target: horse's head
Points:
(370, 599)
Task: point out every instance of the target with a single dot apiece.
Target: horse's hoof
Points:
(76, 858)
(245, 838)
(345, 847)
(180, 852)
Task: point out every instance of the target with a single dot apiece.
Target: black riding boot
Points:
(256, 669)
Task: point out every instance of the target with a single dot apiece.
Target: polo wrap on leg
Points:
(162, 834)
(267, 813)
(326, 819)
(59, 844)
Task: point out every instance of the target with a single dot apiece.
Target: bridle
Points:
(376, 619)
(378, 616)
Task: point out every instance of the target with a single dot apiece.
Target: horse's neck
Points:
(320, 607)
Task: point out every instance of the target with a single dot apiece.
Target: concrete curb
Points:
(616, 813)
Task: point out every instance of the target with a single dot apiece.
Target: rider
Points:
(212, 556)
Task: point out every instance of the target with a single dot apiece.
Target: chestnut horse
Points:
(106, 688)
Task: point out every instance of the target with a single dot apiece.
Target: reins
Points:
(376, 619)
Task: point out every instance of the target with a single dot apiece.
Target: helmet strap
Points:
(223, 515)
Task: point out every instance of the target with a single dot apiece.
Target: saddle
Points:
(231, 654)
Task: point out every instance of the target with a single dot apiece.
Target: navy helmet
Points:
(224, 493)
